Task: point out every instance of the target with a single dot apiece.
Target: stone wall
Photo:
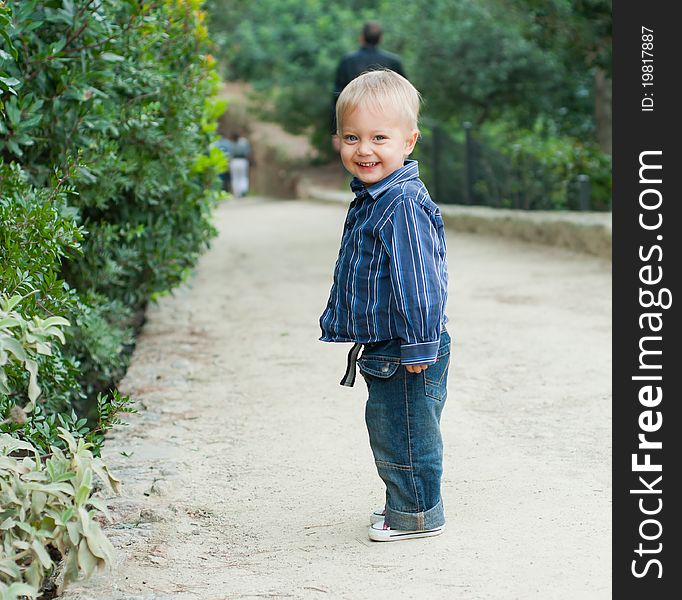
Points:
(588, 232)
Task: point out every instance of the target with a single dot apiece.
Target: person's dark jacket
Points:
(367, 58)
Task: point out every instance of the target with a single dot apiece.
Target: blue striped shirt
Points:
(390, 279)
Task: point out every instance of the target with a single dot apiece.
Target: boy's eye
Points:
(350, 138)
(380, 138)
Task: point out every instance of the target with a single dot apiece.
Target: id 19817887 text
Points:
(647, 69)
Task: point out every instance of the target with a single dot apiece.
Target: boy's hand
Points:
(416, 368)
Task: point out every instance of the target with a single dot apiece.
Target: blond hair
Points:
(380, 90)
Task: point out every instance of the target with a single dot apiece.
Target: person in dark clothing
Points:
(368, 57)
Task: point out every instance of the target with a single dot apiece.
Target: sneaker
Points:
(381, 532)
(377, 515)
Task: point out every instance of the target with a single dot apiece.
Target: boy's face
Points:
(374, 143)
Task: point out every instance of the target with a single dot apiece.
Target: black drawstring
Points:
(349, 376)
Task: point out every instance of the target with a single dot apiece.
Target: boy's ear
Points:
(411, 142)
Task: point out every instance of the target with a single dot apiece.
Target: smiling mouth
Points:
(368, 164)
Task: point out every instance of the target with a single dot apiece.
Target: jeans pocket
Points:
(381, 367)
(436, 377)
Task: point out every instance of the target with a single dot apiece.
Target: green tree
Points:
(289, 51)
(580, 35)
(472, 60)
(530, 66)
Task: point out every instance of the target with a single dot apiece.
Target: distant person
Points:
(239, 164)
(388, 296)
(368, 57)
(225, 146)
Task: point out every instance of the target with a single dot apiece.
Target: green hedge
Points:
(107, 183)
(106, 190)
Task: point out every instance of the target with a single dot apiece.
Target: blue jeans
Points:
(403, 420)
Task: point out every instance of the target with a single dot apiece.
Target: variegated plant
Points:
(47, 507)
(21, 339)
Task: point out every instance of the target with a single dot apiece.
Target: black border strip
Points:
(643, 404)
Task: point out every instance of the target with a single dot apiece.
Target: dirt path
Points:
(249, 474)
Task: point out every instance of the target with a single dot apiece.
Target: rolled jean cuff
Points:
(416, 521)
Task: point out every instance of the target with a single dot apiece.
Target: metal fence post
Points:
(516, 174)
(469, 160)
(435, 161)
(584, 191)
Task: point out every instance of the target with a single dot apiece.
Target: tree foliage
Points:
(289, 50)
(515, 62)
(473, 61)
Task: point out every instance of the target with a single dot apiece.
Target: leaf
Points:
(111, 57)
(10, 444)
(44, 349)
(65, 517)
(4, 388)
(55, 489)
(34, 574)
(84, 489)
(51, 321)
(8, 566)
(74, 530)
(33, 388)
(38, 501)
(53, 331)
(12, 49)
(14, 347)
(102, 471)
(86, 559)
(65, 476)
(9, 322)
(42, 554)
(69, 439)
(101, 506)
(10, 81)
(71, 567)
(13, 112)
(99, 545)
(19, 590)
(12, 303)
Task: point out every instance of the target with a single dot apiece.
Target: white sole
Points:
(395, 535)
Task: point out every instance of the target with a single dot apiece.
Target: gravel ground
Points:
(248, 474)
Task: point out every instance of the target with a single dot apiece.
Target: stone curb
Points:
(588, 232)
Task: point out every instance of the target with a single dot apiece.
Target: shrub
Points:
(106, 191)
(543, 167)
(512, 167)
(47, 514)
(125, 85)
(108, 185)
(39, 230)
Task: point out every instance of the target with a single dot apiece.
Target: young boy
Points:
(388, 296)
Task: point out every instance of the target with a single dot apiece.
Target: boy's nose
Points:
(364, 148)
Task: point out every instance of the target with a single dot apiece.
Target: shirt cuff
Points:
(423, 353)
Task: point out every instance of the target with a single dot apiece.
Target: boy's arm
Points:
(413, 245)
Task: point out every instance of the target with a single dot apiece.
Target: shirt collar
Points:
(409, 170)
